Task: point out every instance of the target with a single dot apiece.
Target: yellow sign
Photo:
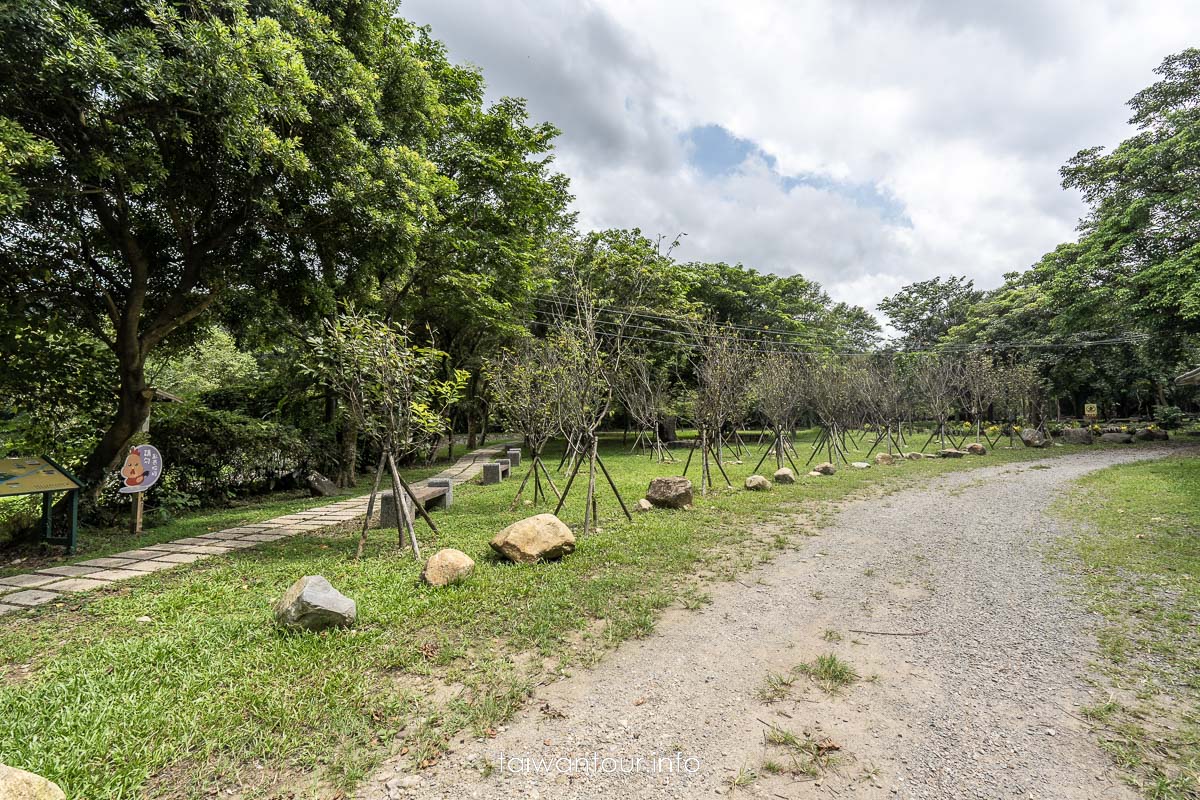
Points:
(1090, 411)
(31, 476)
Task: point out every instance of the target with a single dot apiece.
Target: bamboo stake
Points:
(362, 540)
(613, 486)
(402, 512)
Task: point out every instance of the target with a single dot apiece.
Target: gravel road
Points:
(982, 703)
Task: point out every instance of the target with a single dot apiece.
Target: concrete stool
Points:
(505, 467)
(514, 456)
(446, 500)
(389, 510)
(491, 473)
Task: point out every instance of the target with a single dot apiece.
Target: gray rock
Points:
(914, 456)
(312, 604)
(670, 492)
(825, 468)
(784, 475)
(1116, 438)
(1032, 437)
(885, 459)
(976, 449)
(319, 485)
(643, 505)
(950, 452)
(1152, 435)
(17, 784)
(757, 483)
(1076, 436)
(860, 465)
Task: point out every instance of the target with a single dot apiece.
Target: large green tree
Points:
(1138, 255)
(926, 310)
(156, 156)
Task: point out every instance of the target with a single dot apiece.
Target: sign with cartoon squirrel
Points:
(141, 470)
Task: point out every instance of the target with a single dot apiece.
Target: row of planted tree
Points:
(584, 362)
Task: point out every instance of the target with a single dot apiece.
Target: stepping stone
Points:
(106, 562)
(8, 609)
(241, 544)
(179, 558)
(207, 550)
(31, 597)
(116, 575)
(191, 540)
(69, 571)
(137, 555)
(28, 581)
(144, 567)
(170, 547)
(76, 585)
(221, 536)
(263, 537)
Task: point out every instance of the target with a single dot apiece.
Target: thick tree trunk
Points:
(133, 409)
(666, 429)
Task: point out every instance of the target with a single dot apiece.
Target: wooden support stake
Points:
(563, 497)
(549, 480)
(403, 523)
(362, 540)
(613, 486)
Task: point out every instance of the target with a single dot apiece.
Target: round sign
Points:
(141, 470)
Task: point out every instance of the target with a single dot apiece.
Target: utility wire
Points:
(1131, 337)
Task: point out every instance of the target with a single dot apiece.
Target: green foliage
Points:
(386, 383)
(211, 455)
(1168, 417)
(54, 395)
(1140, 246)
(169, 154)
(926, 310)
(211, 364)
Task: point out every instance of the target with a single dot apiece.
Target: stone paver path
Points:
(19, 592)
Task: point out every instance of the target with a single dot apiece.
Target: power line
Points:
(1130, 337)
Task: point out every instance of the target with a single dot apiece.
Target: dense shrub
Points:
(211, 454)
(1168, 417)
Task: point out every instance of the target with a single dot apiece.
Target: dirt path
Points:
(985, 705)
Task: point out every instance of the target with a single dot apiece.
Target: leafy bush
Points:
(1168, 417)
(212, 455)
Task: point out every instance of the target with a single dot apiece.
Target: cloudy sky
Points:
(863, 144)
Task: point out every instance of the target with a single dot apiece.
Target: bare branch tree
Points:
(724, 366)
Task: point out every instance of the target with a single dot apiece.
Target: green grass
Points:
(807, 756)
(1138, 555)
(210, 696)
(829, 672)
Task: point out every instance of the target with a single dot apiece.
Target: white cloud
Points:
(959, 111)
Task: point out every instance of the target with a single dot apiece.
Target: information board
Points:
(32, 476)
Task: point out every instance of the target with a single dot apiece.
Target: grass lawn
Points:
(1139, 557)
(209, 696)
